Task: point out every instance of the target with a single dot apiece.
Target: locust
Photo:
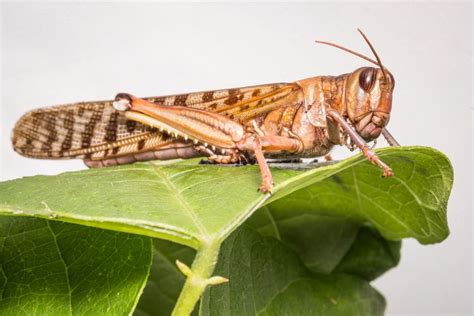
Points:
(302, 119)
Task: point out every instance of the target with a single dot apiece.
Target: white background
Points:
(58, 53)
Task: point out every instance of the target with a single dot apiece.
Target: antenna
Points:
(374, 52)
(378, 62)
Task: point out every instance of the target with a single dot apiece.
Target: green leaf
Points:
(200, 206)
(183, 202)
(321, 241)
(193, 204)
(370, 255)
(326, 244)
(244, 249)
(52, 268)
(267, 278)
(412, 203)
(327, 295)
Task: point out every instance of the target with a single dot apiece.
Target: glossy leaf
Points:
(320, 240)
(412, 203)
(267, 278)
(370, 255)
(189, 203)
(198, 206)
(326, 243)
(327, 295)
(52, 268)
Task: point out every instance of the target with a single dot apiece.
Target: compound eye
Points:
(367, 79)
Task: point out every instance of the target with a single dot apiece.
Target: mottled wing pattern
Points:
(95, 130)
(240, 104)
(91, 130)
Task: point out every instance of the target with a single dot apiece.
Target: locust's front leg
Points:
(359, 141)
(209, 131)
(390, 139)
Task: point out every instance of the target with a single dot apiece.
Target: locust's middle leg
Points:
(260, 143)
(230, 156)
(359, 142)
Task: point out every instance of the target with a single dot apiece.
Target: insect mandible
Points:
(305, 118)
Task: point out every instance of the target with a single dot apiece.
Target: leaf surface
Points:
(412, 203)
(191, 204)
(320, 240)
(268, 278)
(314, 215)
(370, 255)
(52, 268)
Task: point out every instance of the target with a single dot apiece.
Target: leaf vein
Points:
(66, 268)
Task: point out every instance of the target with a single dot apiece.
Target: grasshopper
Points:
(305, 118)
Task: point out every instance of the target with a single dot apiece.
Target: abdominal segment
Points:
(170, 151)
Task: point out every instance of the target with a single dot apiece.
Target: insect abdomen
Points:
(171, 151)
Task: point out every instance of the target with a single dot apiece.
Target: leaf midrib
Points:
(204, 234)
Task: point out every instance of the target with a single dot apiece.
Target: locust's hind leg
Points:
(359, 141)
(208, 129)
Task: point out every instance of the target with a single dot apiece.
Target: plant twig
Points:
(198, 277)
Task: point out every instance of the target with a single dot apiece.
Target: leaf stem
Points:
(198, 279)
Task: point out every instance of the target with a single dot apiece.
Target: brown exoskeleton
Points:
(303, 119)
